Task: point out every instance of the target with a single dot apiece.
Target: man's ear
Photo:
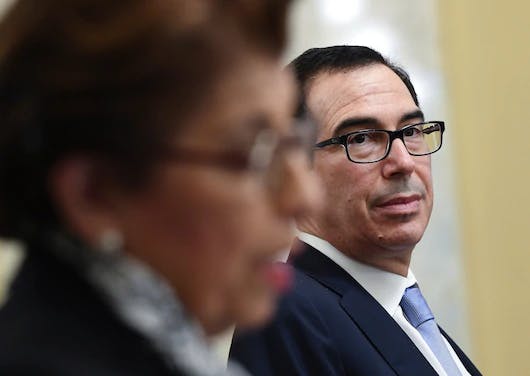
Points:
(82, 192)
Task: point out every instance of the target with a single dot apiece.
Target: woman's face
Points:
(214, 231)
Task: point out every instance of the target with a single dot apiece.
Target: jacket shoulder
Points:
(54, 323)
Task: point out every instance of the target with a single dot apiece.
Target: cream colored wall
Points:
(486, 49)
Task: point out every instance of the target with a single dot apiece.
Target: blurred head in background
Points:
(162, 128)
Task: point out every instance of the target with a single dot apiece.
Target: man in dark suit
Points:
(355, 307)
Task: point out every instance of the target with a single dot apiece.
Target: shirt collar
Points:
(385, 287)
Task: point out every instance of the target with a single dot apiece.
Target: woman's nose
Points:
(298, 190)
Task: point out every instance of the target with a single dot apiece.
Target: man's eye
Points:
(409, 132)
(358, 139)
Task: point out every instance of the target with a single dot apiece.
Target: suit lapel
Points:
(382, 331)
(473, 371)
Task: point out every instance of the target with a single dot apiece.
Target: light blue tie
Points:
(420, 316)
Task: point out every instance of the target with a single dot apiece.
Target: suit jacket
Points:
(54, 323)
(330, 325)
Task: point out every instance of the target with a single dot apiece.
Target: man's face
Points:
(375, 212)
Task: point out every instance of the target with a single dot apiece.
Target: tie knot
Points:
(415, 307)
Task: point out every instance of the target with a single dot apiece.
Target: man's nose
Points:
(398, 161)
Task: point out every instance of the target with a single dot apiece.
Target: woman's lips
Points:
(279, 275)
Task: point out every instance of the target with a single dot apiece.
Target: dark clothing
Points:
(55, 323)
(330, 325)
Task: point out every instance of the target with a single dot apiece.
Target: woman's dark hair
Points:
(336, 59)
(112, 79)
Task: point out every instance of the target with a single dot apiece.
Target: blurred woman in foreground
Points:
(149, 167)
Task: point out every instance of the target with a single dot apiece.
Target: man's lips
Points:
(400, 200)
(402, 204)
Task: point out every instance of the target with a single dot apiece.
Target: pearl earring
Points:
(111, 241)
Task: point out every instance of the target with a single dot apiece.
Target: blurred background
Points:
(470, 64)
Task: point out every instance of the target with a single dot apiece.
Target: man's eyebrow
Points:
(354, 122)
(372, 122)
(418, 114)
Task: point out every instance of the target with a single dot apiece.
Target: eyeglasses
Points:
(263, 156)
(373, 145)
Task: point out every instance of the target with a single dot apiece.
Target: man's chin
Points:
(399, 242)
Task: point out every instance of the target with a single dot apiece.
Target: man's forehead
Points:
(367, 91)
(355, 82)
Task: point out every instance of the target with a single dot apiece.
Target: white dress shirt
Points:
(387, 289)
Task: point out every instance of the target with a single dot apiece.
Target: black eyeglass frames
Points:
(373, 145)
